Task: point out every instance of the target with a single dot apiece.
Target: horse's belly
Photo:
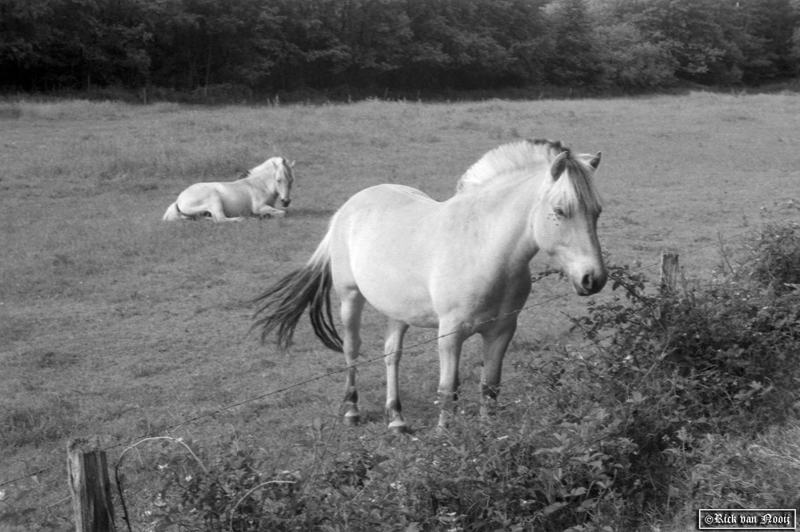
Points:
(399, 298)
(393, 273)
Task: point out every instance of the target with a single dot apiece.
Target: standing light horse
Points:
(254, 194)
(460, 265)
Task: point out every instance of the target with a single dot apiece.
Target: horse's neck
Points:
(262, 181)
(506, 210)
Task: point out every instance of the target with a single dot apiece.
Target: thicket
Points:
(237, 49)
(662, 402)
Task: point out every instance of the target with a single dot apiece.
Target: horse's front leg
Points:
(269, 212)
(393, 350)
(495, 344)
(451, 338)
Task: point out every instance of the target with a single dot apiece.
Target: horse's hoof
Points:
(351, 421)
(399, 427)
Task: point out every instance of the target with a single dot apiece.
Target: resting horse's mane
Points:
(260, 167)
(577, 192)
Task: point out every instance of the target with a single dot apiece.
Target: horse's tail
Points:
(173, 213)
(282, 305)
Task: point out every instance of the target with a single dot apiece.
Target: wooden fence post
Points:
(89, 486)
(669, 272)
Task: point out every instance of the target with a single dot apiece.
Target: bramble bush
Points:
(505, 473)
(662, 402)
(682, 370)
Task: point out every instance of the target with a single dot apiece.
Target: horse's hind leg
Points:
(394, 350)
(218, 215)
(267, 211)
(352, 305)
(217, 211)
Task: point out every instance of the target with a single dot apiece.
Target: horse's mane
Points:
(258, 169)
(577, 192)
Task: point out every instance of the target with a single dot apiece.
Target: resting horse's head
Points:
(284, 177)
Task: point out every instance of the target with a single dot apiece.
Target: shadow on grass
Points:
(309, 213)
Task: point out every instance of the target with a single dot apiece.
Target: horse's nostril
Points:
(587, 282)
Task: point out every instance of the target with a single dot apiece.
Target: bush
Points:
(713, 359)
(773, 259)
(503, 474)
(234, 491)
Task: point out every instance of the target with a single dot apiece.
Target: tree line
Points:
(267, 46)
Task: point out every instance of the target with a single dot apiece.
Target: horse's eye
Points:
(559, 212)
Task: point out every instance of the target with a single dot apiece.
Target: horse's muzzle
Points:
(590, 283)
(286, 202)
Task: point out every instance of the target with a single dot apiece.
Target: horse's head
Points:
(284, 177)
(565, 221)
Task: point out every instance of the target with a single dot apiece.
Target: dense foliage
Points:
(665, 401)
(240, 47)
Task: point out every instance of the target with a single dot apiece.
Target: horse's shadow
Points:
(309, 212)
(302, 212)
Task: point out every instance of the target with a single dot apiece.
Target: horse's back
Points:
(390, 195)
(396, 209)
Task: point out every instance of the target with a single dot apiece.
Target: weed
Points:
(49, 419)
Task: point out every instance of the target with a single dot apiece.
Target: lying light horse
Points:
(460, 265)
(254, 194)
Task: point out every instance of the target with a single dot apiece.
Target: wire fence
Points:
(363, 361)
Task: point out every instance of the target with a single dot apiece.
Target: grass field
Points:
(113, 323)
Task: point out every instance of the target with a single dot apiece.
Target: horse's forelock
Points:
(574, 189)
(287, 168)
(284, 167)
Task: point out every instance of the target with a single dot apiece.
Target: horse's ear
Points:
(291, 164)
(595, 162)
(559, 164)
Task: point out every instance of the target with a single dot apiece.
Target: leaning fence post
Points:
(89, 487)
(669, 278)
(669, 272)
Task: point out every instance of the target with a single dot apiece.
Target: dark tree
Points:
(241, 47)
(573, 57)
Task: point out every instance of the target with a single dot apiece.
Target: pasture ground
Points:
(113, 323)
